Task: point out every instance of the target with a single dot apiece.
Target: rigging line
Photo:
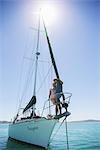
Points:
(18, 97)
(44, 79)
(26, 85)
(44, 61)
(51, 74)
(45, 108)
(19, 86)
(39, 72)
(28, 58)
(32, 28)
(30, 73)
(57, 130)
(66, 134)
(44, 72)
(20, 76)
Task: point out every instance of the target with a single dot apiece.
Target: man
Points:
(55, 94)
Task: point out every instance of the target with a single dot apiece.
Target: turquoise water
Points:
(82, 136)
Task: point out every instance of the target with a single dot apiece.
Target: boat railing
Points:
(50, 105)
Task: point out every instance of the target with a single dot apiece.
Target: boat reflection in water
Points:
(17, 145)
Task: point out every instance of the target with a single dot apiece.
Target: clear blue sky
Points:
(75, 38)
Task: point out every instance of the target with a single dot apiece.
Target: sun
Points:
(49, 13)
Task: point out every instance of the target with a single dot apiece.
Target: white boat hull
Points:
(33, 131)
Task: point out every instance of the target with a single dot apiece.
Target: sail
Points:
(51, 53)
(30, 104)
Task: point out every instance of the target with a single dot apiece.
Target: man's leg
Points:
(59, 105)
(56, 109)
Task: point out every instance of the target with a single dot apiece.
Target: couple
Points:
(56, 93)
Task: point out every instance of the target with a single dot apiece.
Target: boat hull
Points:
(34, 131)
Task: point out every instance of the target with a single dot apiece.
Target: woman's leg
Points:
(59, 108)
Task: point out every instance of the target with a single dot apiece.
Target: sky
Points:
(75, 39)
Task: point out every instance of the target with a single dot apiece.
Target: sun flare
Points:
(49, 13)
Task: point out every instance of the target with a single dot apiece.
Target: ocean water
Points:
(81, 135)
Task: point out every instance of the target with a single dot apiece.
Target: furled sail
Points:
(51, 53)
(30, 104)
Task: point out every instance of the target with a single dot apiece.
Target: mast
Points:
(32, 102)
(36, 62)
(51, 52)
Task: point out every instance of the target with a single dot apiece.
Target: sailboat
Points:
(37, 129)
